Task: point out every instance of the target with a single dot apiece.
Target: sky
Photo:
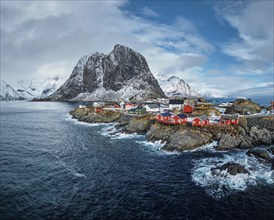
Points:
(221, 48)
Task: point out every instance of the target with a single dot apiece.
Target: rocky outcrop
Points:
(178, 138)
(124, 73)
(90, 116)
(244, 107)
(139, 124)
(231, 168)
(259, 153)
(187, 139)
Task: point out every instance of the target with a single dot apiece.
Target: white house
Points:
(176, 104)
(152, 107)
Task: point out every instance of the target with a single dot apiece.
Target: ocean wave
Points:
(156, 147)
(221, 184)
(207, 147)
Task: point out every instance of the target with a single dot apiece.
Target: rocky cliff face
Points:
(123, 73)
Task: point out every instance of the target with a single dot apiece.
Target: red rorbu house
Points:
(200, 121)
(164, 117)
(229, 119)
(130, 105)
(179, 119)
(98, 109)
(187, 108)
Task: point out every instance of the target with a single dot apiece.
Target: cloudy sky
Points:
(218, 47)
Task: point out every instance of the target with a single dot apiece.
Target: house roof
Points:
(152, 105)
(176, 101)
(203, 117)
(182, 116)
(166, 114)
(189, 105)
(229, 117)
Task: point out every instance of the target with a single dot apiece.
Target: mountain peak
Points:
(124, 73)
(175, 86)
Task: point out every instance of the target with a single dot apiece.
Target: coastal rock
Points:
(160, 132)
(231, 168)
(271, 150)
(230, 141)
(139, 124)
(260, 136)
(244, 107)
(88, 115)
(259, 153)
(187, 139)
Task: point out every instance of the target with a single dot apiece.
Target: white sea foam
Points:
(79, 175)
(155, 147)
(109, 130)
(221, 183)
(207, 147)
(119, 135)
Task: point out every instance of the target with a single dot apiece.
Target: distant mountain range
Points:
(123, 73)
(30, 88)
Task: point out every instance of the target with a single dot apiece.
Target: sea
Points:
(54, 167)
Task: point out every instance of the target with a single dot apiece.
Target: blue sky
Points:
(218, 47)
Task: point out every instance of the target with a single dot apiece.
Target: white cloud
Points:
(39, 36)
(253, 21)
(149, 12)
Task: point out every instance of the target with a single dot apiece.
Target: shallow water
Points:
(53, 167)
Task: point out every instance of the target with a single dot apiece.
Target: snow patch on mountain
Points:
(33, 88)
(7, 92)
(175, 86)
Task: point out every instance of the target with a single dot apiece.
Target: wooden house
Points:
(229, 119)
(179, 119)
(98, 109)
(129, 105)
(138, 110)
(200, 121)
(152, 107)
(176, 104)
(187, 108)
(164, 117)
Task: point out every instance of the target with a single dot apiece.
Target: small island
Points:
(183, 131)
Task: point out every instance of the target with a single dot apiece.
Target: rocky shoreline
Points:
(249, 133)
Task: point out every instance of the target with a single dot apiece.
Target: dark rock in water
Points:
(124, 73)
(272, 164)
(234, 168)
(271, 150)
(259, 153)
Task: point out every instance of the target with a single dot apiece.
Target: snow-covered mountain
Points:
(7, 92)
(30, 88)
(33, 88)
(123, 73)
(174, 86)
